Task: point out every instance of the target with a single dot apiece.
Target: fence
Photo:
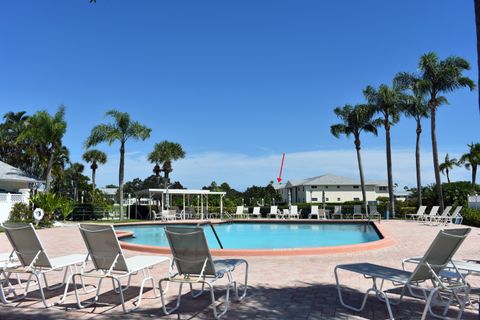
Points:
(7, 200)
(474, 202)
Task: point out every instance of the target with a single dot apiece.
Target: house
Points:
(337, 189)
(15, 187)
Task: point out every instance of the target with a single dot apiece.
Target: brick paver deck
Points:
(293, 287)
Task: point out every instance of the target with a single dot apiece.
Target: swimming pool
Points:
(255, 236)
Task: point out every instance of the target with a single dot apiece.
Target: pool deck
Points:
(280, 287)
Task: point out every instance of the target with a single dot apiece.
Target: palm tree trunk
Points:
(448, 176)
(417, 163)
(121, 177)
(93, 185)
(477, 24)
(474, 174)
(48, 173)
(389, 170)
(438, 180)
(362, 179)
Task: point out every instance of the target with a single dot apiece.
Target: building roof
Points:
(10, 173)
(327, 180)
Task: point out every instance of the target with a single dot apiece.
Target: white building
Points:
(15, 187)
(336, 189)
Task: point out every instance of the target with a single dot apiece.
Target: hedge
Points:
(471, 217)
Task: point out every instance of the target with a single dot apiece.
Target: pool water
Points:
(266, 235)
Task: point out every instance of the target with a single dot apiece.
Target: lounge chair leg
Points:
(162, 297)
(342, 302)
(199, 293)
(91, 301)
(217, 315)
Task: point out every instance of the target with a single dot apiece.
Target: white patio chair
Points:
(314, 212)
(109, 262)
(169, 215)
(337, 211)
(294, 212)
(373, 212)
(195, 265)
(273, 212)
(418, 215)
(357, 212)
(256, 212)
(438, 217)
(239, 213)
(428, 271)
(426, 217)
(34, 261)
(7, 260)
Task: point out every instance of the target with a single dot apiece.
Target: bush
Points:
(21, 212)
(471, 217)
(407, 210)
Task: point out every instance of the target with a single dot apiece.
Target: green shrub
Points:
(21, 212)
(471, 217)
(407, 210)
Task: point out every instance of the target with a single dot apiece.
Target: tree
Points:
(448, 165)
(94, 157)
(122, 129)
(47, 131)
(436, 78)
(471, 160)
(354, 121)
(388, 102)
(416, 108)
(163, 154)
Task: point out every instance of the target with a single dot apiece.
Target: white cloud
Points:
(241, 170)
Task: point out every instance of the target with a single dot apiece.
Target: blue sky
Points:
(235, 82)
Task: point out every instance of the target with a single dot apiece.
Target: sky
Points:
(236, 83)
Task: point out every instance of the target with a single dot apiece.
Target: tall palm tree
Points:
(354, 121)
(163, 154)
(388, 102)
(94, 157)
(122, 129)
(436, 78)
(416, 108)
(471, 160)
(47, 131)
(448, 165)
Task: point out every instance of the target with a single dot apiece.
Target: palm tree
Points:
(94, 157)
(471, 160)
(388, 102)
(416, 108)
(448, 165)
(122, 129)
(47, 131)
(354, 121)
(436, 78)
(162, 155)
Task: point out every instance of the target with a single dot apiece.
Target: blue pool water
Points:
(266, 235)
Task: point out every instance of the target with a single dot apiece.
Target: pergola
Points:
(166, 197)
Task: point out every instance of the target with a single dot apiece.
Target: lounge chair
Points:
(438, 217)
(337, 211)
(109, 262)
(294, 212)
(169, 215)
(34, 261)
(195, 265)
(273, 212)
(428, 270)
(357, 211)
(455, 216)
(256, 212)
(416, 216)
(7, 260)
(373, 212)
(315, 212)
(426, 217)
(239, 212)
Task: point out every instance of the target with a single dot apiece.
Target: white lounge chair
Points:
(438, 217)
(256, 212)
(34, 261)
(455, 216)
(294, 212)
(428, 271)
(7, 260)
(357, 212)
(273, 212)
(418, 215)
(373, 212)
(426, 217)
(109, 262)
(315, 213)
(239, 213)
(195, 265)
(169, 215)
(337, 211)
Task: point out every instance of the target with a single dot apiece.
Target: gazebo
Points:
(165, 195)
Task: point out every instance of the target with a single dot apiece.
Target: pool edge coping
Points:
(385, 241)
